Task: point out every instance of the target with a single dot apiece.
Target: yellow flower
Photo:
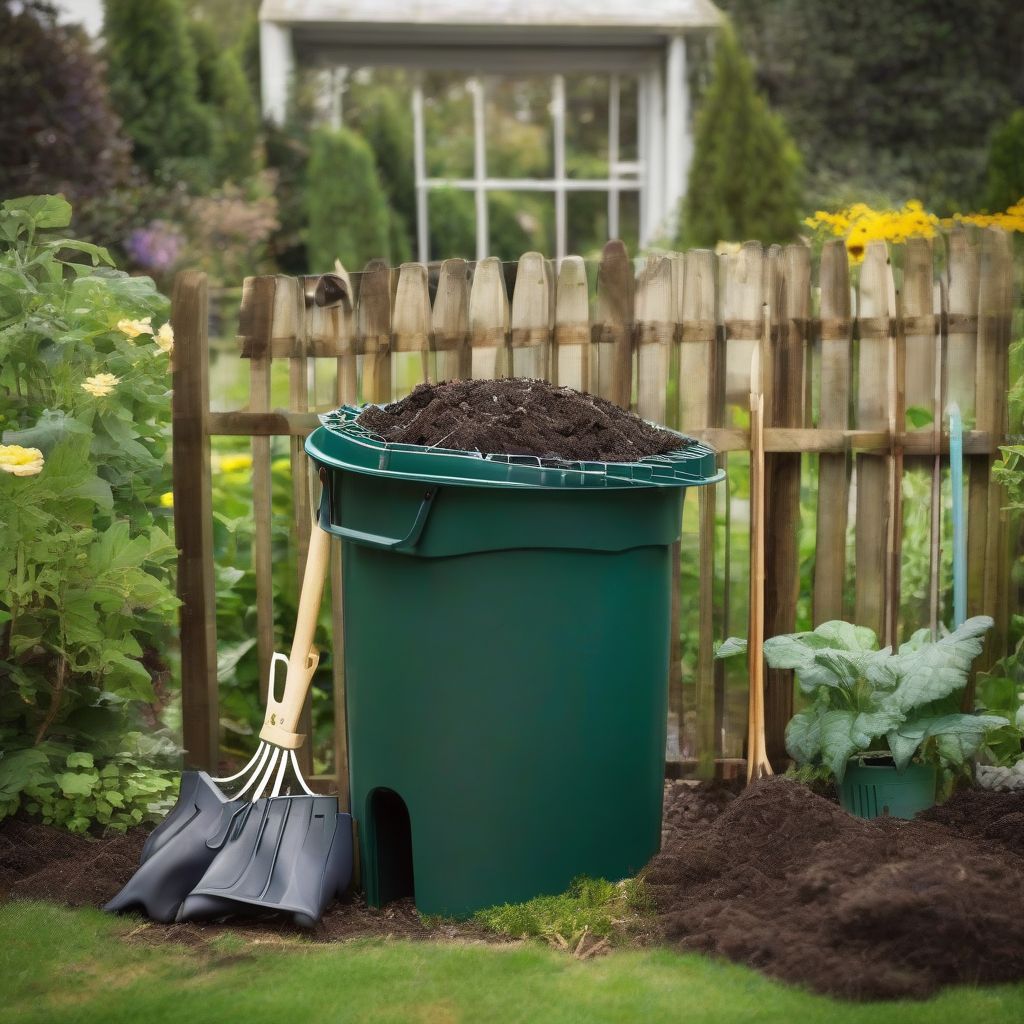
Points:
(167, 499)
(233, 463)
(20, 461)
(100, 385)
(133, 328)
(165, 338)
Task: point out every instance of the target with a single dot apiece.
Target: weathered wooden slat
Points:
(784, 408)
(655, 334)
(257, 316)
(488, 318)
(833, 469)
(995, 313)
(873, 474)
(699, 406)
(613, 327)
(410, 329)
(571, 360)
(450, 322)
(373, 331)
(193, 521)
(919, 392)
(530, 337)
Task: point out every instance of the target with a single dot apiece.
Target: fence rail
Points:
(846, 352)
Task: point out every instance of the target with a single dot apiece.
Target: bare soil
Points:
(771, 876)
(518, 416)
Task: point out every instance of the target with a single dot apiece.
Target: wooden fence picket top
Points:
(531, 317)
(489, 319)
(613, 328)
(571, 359)
(373, 330)
(655, 334)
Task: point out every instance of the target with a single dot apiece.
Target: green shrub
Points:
(347, 212)
(155, 87)
(744, 179)
(1005, 170)
(86, 567)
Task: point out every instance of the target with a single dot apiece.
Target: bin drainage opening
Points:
(391, 847)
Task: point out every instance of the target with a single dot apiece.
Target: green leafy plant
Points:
(904, 703)
(86, 568)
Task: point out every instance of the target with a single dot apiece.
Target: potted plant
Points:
(880, 723)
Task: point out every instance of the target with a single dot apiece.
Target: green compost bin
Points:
(506, 658)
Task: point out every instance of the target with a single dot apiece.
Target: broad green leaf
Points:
(935, 670)
(20, 768)
(837, 742)
(732, 646)
(803, 735)
(53, 426)
(81, 759)
(77, 783)
(846, 636)
(97, 252)
(918, 416)
(962, 735)
(44, 211)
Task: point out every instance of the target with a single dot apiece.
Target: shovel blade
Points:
(290, 854)
(177, 852)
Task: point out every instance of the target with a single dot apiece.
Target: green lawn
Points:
(61, 965)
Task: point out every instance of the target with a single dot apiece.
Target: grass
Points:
(60, 965)
(592, 906)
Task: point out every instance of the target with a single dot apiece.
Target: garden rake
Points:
(217, 855)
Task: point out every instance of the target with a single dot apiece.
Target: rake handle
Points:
(282, 718)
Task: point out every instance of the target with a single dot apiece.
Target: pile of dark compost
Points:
(518, 416)
(789, 883)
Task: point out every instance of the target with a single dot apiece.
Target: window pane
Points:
(517, 126)
(629, 220)
(452, 219)
(520, 222)
(587, 228)
(629, 92)
(586, 126)
(448, 124)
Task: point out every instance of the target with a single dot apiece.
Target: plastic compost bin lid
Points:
(341, 443)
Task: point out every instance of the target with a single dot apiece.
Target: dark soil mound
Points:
(518, 416)
(788, 882)
(983, 814)
(38, 862)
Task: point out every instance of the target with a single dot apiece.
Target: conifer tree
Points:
(744, 179)
(347, 212)
(1006, 163)
(155, 86)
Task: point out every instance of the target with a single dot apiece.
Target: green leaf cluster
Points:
(86, 561)
(862, 698)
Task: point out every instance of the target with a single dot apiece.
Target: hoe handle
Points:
(283, 715)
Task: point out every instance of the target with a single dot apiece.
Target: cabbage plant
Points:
(862, 698)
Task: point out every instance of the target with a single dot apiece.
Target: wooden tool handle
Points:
(283, 715)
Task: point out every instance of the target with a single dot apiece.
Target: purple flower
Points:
(155, 247)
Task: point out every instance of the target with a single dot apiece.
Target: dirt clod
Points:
(518, 416)
(788, 882)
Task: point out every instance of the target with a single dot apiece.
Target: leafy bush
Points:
(86, 568)
(744, 179)
(862, 697)
(58, 130)
(348, 216)
(591, 905)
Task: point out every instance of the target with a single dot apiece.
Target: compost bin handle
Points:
(373, 540)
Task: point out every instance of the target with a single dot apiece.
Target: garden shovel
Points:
(259, 837)
(283, 853)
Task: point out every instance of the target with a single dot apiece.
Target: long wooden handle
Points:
(283, 715)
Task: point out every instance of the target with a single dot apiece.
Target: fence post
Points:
(193, 520)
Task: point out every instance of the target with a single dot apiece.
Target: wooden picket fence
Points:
(845, 352)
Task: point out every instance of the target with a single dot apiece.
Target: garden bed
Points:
(771, 876)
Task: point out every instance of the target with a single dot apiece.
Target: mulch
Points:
(771, 876)
(518, 416)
